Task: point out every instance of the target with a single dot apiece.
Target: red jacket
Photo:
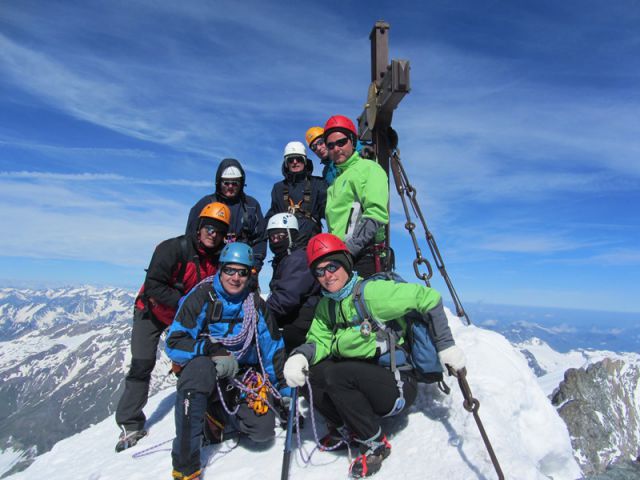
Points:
(162, 289)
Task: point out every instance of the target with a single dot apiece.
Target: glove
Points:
(285, 402)
(453, 357)
(294, 370)
(226, 365)
(213, 349)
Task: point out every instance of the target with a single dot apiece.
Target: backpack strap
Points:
(306, 199)
(214, 308)
(285, 193)
(179, 285)
(383, 334)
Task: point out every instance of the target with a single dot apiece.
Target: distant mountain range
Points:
(63, 355)
(563, 329)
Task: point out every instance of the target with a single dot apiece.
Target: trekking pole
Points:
(286, 457)
(472, 405)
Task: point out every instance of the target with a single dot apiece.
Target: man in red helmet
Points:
(357, 200)
(347, 360)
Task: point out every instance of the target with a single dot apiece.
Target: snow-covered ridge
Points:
(438, 439)
(23, 310)
(63, 355)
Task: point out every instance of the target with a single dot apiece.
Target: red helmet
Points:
(324, 244)
(340, 123)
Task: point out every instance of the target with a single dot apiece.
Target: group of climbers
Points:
(237, 356)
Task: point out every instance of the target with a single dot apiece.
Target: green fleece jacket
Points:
(386, 300)
(361, 190)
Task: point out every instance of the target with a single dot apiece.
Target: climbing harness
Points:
(303, 207)
(254, 386)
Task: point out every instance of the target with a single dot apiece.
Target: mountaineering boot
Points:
(175, 475)
(128, 438)
(337, 438)
(372, 453)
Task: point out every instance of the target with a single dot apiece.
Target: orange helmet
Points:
(313, 134)
(217, 211)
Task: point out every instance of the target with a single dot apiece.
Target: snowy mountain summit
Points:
(437, 439)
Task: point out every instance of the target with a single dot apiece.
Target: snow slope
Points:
(437, 439)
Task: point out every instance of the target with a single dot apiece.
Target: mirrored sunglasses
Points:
(331, 267)
(276, 237)
(338, 143)
(314, 146)
(231, 183)
(243, 272)
(211, 229)
(295, 159)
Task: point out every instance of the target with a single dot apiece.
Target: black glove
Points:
(211, 349)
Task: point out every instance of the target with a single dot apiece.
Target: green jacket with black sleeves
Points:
(386, 300)
(357, 203)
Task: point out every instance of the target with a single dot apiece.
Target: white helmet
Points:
(283, 220)
(295, 148)
(231, 172)
(287, 221)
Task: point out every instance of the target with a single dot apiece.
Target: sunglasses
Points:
(276, 237)
(338, 143)
(211, 229)
(230, 183)
(243, 272)
(331, 267)
(314, 146)
(295, 159)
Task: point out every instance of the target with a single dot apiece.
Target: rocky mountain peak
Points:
(601, 406)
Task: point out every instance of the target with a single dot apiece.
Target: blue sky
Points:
(521, 133)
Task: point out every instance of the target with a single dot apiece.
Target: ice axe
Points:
(286, 457)
(472, 405)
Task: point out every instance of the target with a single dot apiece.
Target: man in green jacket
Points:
(343, 356)
(357, 201)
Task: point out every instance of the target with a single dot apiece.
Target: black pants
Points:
(197, 383)
(145, 336)
(357, 393)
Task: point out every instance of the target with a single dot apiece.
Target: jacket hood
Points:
(229, 162)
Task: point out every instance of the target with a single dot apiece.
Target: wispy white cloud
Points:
(530, 243)
(185, 98)
(494, 147)
(489, 323)
(79, 152)
(65, 220)
(614, 257)
(101, 177)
